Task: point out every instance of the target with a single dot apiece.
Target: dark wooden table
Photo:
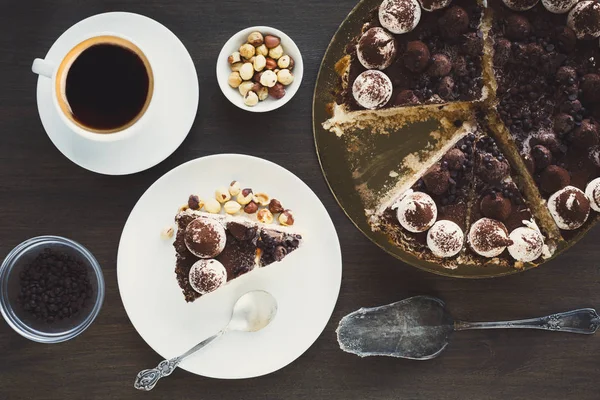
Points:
(41, 192)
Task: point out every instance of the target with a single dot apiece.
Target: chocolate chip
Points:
(53, 273)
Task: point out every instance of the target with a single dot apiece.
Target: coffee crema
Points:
(104, 84)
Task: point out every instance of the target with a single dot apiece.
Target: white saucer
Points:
(175, 95)
(306, 283)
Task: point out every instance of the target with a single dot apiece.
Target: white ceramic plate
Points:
(223, 70)
(306, 283)
(174, 103)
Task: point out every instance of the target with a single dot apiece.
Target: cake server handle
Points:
(584, 320)
(148, 378)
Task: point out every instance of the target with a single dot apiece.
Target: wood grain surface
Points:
(41, 192)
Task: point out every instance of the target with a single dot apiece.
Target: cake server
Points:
(251, 313)
(420, 328)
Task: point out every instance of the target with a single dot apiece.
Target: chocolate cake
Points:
(206, 260)
(428, 57)
(527, 72)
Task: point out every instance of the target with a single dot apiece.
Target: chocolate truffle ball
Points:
(437, 179)
(542, 156)
(586, 135)
(454, 22)
(205, 238)
(416, 212)
(517, 27)
(563, 123)
(207, 276)
(520, 5)
(455, 159)
(472, 44)
(584, 19)
(559, 6)
(554, 178)
(570, 106)
(372, 89)
(445, 239)
(440, 65)
(399, 16)
(502, 52)
(446, 87)
(488, 237)
(569, 207)
(376, 49)
(566, 38)
(590, 85)
(495, 206)
(528, 244)
(406, 97)
(416, 58)
(592, 191)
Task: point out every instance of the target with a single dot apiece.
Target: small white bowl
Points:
(223, 69)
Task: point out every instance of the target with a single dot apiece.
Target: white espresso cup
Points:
(101, 88)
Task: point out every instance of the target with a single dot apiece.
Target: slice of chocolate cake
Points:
(503, 229)
(547, 73)
(213, 249)
(429, 217)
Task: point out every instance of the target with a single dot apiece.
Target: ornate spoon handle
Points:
(584, 320)
(148, 378)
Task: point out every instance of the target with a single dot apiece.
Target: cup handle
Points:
(43, 67)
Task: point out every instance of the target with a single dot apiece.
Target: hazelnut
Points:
(247, 71)
(268, 79)
(264, 216)
(232, 207)
(255, 39)
(195, 202)
(285, 62)
(247, 51)
(245, 87)
(276, 52)
(251, 99)
(251, 208)
(277, 91)
(212, 206)
(234, 80)
(272, 41)
(256, 77)
(234, 58)
(262, 199)
(259, 63)
(262, 93)
(167, 233)
(222, 195)
(285, 77)
(271, 64)
(275, 206)
(245, 196)
(286, 218)
(234, 188)
(236, 66)
(262, 50)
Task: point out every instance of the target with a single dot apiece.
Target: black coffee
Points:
(107, 86)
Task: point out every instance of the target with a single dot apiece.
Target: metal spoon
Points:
(420, 328)
(251, 312)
